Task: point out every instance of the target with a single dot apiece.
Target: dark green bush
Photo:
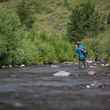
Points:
(9, 34)
(27, 9)
(84, 21)
(19, 46)
(104, 44)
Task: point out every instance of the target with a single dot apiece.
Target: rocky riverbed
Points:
(55, 87)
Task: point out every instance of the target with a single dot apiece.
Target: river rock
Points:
(62, 74)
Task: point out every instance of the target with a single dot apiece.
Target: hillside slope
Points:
(54, 15)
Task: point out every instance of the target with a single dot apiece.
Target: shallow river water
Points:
(37, 88)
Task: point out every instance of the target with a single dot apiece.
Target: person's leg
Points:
(82, 63)
(85, 63)
(79, 64)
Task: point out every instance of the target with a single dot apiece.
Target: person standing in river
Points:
(82, 54)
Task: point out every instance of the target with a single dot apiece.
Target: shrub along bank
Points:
(17, 45)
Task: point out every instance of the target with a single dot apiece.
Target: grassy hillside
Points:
(54, 14)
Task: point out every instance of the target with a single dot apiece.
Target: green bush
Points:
(99, 46)
(91, 47)
(27, 9)
(10, 28)
(46, 53)
(39, 48)
(19, 46)
(27, 52)
(104, 44)
(53, 48)
(84, 21)
(64, 50)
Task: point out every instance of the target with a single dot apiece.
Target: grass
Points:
(54, 14)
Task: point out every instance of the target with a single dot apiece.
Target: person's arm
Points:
(77, 51)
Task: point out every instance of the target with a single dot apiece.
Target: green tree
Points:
(26, 10)
(104, 44)
(84, 21)
(4, 0)
(9, 33)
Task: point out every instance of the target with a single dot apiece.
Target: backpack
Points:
(84, 51)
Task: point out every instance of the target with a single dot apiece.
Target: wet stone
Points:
(62, 74)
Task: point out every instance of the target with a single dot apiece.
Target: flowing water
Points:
(37, 88)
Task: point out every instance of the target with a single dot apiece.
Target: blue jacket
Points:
(80, 54)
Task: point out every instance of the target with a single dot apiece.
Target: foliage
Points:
(50, 15)
(9, 37)
(54, 48)
(91, 47)
(84, 21)
(4, 0)
(46, 41)
(99, 47)
(104, 44)
(26, 10)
